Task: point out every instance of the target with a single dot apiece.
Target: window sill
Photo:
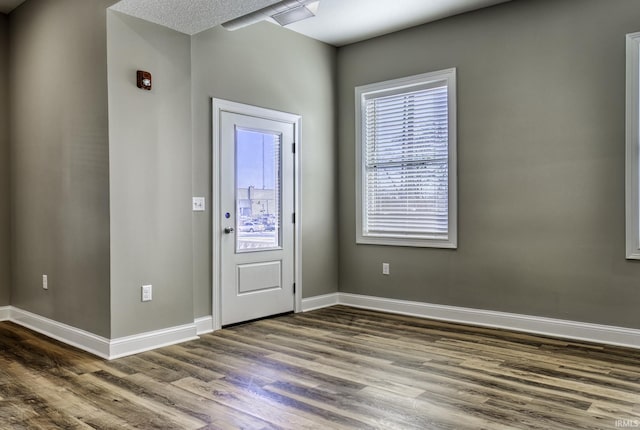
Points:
(447, 243)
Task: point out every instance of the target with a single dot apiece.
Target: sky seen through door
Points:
(256, 163)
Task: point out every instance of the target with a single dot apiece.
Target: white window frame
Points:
(397, 86)
(632, 155)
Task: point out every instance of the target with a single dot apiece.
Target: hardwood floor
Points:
(335, 368)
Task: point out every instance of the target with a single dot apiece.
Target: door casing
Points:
(219, 106)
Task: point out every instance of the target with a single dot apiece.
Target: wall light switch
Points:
(198, 204)
(147, 292)
(45, 282)
(385, 268)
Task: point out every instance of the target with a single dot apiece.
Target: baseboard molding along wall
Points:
(98, 345)
(318, 302)
(204, 325)
(81, 339)
(129, 345)
(603, 334)
(5, 313)
(124, 346)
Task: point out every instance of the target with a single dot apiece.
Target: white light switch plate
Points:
(198, 204)
(385, 268)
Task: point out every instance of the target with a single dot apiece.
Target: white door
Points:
(256, 230)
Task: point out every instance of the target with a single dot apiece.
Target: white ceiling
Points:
(338, 22)
(7, 6)
(189, 16)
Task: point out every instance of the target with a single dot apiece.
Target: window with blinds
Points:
(406, 161)
(632, 155)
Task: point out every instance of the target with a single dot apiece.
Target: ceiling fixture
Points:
(284, 13)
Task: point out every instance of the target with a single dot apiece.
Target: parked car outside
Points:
(251, 227)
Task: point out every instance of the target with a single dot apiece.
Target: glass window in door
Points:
(258, 204)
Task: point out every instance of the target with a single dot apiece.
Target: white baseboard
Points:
(98, 345)
(5, 313)
(603, 334)
(120, 347)
(129, 345)
(318, 302)
(204, 325)
(81, 339)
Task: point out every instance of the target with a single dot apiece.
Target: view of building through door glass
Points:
(257, 190)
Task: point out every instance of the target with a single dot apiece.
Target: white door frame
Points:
(219, 106)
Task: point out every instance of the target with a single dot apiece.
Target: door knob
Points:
(228, 230)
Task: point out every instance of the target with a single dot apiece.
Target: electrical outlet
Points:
(45, 282)
(385, 269)
(147, 293)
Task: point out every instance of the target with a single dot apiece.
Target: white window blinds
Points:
(632, 157)
(405, 162)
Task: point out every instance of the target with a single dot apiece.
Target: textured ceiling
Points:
(340, 22)
(7, 6)
(189, 16)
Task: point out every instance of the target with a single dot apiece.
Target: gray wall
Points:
(541, 129)
(541, 160)
(5, 221)
(268, 66)
(150, 165)
(60, 164)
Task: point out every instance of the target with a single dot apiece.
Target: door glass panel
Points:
(257, 190)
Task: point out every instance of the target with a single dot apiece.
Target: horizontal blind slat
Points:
(406, 163)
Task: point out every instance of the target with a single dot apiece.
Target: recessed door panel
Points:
(257, 277)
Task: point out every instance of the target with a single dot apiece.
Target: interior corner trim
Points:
(5, 313)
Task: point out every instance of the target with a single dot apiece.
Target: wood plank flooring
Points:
(335, 368)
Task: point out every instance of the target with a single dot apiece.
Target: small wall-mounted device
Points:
(144, 80)
(147, 293)
(198, 204)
